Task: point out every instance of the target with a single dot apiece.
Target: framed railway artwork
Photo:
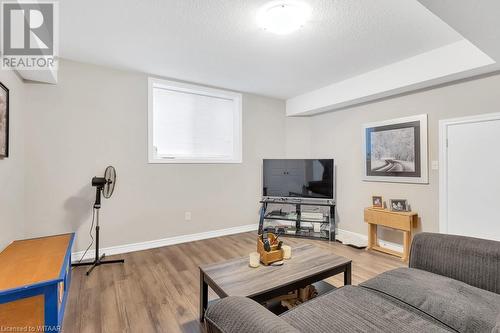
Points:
(396, 150)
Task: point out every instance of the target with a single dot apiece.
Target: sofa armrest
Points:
(242, 315)
(471, 260)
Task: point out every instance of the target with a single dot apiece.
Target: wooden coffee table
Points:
(235, 277)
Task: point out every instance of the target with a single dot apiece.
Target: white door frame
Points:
(443, 160)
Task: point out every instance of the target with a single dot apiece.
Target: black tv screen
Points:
(309, 178)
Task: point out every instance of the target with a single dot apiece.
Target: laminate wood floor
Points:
(158, 290)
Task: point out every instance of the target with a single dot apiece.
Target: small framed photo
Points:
(377, 202)
(399, 205)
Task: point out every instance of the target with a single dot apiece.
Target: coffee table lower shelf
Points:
(322, 287)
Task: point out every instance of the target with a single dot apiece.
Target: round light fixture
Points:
(283, 16)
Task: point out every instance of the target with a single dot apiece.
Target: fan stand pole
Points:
(98, 260)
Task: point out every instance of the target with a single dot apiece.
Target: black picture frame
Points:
(396, 150)
(415, 126)
(4, 153)
(399, 205)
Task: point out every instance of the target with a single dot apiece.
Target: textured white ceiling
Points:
(217, 42)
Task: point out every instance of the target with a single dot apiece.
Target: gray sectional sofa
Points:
(452, 284)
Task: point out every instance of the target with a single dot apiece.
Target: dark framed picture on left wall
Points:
(4, 121)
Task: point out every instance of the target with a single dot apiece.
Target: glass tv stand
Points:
(302, 218)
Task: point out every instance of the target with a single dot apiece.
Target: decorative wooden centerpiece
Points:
(274, 255)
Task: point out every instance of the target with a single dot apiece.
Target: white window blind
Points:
(193, 124)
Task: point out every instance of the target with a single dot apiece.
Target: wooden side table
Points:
(402, 221)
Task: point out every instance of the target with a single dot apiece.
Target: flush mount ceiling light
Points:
(283, 16)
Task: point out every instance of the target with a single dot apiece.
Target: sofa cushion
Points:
(354, 309)
(497, 326)
(463, 307)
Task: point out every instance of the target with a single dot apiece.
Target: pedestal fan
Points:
(105, 186)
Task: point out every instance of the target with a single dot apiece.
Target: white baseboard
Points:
(359, 240)
(345, 236)
(119, 249)
(351, 238)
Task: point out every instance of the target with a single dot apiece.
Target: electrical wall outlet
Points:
(187, 216)
(435, 165)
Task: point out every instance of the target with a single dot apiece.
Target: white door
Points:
(470, 176)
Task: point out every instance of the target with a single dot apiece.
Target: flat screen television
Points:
(308, 178)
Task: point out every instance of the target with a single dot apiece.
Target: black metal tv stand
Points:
(293, 224)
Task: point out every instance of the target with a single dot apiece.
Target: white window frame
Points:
(195, 89)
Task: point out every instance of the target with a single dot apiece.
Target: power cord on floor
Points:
(91, 236)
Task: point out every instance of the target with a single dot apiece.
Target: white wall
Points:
(339, 134)
(11, 169)
(298, 137)
(97, 116)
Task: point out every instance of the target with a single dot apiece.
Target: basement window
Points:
(193, 124)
